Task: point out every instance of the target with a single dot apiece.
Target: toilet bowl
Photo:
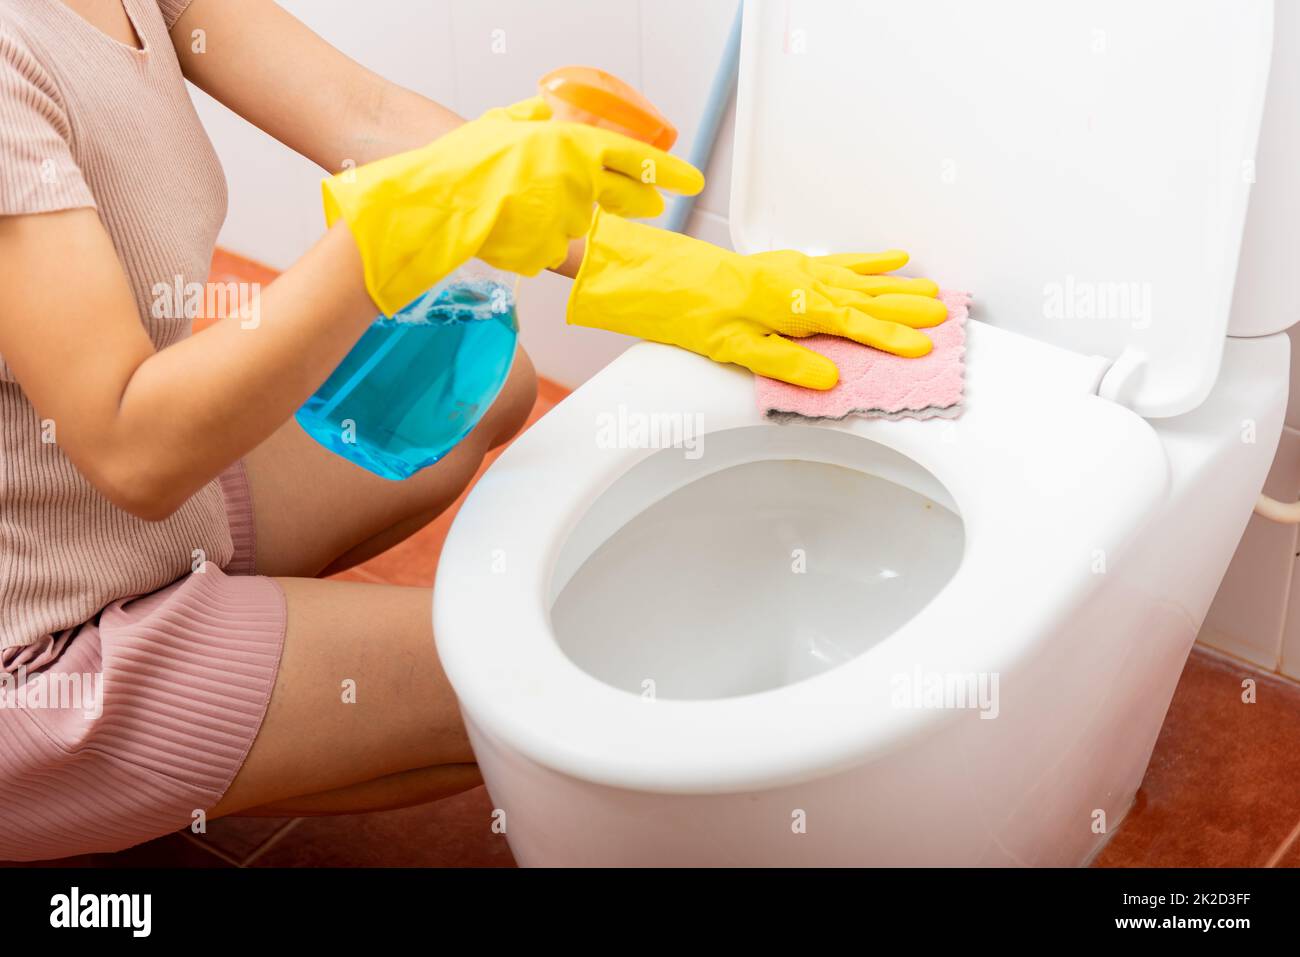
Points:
(682, 634)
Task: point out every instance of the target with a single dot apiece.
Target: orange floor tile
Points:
(1223, 788)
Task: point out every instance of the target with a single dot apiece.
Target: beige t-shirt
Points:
(87, 121)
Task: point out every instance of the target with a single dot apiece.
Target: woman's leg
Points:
(389, 793)
(401, 740)
(360, 697)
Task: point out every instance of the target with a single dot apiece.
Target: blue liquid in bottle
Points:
(415, 384)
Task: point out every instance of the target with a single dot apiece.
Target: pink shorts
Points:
(168, 691)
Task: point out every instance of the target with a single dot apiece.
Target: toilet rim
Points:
(1025, 561)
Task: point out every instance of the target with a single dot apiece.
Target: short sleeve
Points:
(38, 173)
(172, 10)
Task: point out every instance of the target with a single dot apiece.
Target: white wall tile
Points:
(1293, 399)
(716, 197)
(1289, 664)
(275, 208)
(682, 44)
(502, 47)
(1287, 491)
(407, 41)
(569, 355)
(1252, 607)
(710, 227)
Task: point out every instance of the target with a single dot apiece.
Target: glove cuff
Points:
(360, 197)
(616, 251)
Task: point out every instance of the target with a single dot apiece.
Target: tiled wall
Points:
(471, 55)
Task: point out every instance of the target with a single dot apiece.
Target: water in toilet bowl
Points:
(753, 578)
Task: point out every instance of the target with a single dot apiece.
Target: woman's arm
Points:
(149, 428)
(267, 66)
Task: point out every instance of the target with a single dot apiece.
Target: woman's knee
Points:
(360, 695)
(513, 405)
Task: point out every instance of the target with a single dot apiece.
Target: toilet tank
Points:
(1082, 166)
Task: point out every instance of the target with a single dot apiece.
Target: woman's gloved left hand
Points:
(512, 187)
(671, 288)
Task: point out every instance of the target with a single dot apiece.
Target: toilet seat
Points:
(1050, 480)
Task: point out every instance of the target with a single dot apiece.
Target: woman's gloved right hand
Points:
(666, 287)
(511, 188)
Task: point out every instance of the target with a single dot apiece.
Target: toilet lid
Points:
(1082, 167)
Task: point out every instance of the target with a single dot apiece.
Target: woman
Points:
(163, 519)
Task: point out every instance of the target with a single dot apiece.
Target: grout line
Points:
(456, 106)
(1227, 657)
(1284, 846)
(640, 45)
(214, 851)
(271, 841)
(1287, 597)
(1287, 600)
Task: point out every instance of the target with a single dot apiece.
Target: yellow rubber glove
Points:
(512, 188)
(667, 287)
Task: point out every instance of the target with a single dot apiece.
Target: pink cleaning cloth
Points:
(877, 384)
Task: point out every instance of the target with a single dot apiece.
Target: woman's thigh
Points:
(360, 694)
(311, 507)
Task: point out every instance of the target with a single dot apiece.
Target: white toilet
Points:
(899, 643)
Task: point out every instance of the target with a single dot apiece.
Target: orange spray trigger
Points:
(584, 94)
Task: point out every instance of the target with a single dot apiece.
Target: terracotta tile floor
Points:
(1223, 788)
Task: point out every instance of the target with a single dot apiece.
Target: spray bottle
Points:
(415, 384)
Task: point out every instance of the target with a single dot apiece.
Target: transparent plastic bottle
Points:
(415, 385)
